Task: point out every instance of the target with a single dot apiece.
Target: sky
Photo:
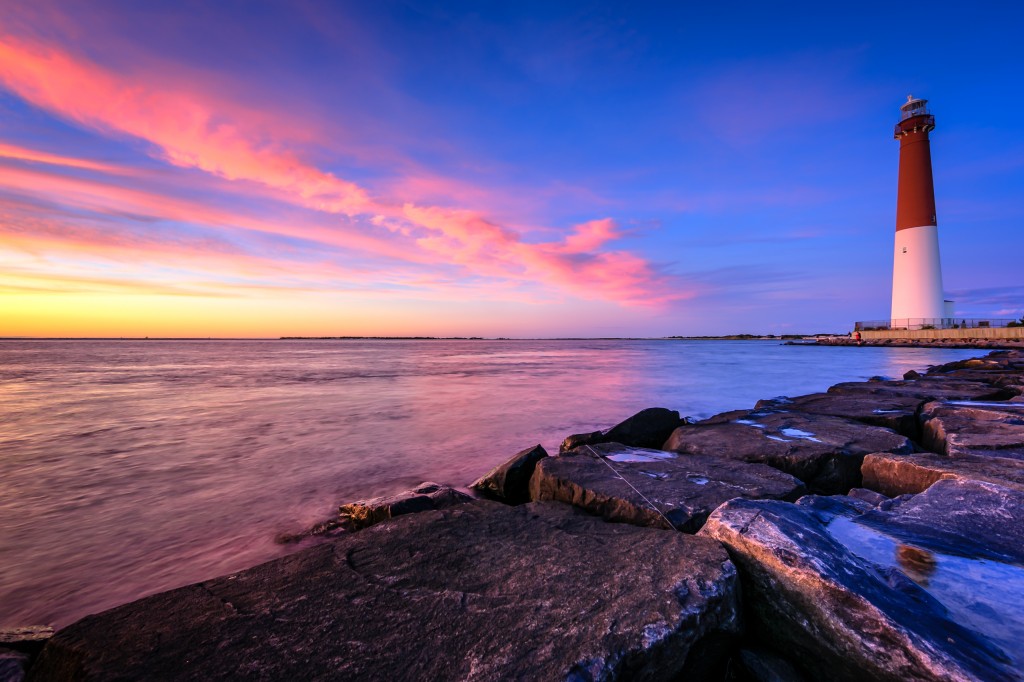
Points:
(525, 169)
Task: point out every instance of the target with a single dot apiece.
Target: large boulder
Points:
(649, 487)
(646, 429)
(824, 452)
(510, 482)
(425, 496)
(838, 615)
(974, 428)
(894, 475)
(482, 591)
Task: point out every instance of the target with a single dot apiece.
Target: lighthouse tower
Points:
(917, 297)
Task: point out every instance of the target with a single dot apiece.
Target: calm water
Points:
(131, 467)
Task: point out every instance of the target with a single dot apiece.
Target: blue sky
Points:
(521, 169)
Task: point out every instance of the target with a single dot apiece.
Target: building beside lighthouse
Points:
(917, 297)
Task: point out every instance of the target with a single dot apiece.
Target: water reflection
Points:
(918, 564)
(979, 594)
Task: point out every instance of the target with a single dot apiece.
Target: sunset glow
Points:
(294, 169)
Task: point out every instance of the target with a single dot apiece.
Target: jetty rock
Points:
(840, 616)
(823, 451)
(510, 482)
(978, 519)
(891, 411)
(646, 429)
(974, 428)
(894, 475)
(481, 591)
(621, 483)
(427, 495)
(927, 388)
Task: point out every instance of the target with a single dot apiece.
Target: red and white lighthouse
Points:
(917, 297)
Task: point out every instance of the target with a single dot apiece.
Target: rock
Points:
(926, 389)
(580, 439)
(646, 429)
(870, 496)
(979, 428)
(510, 482)
(839, 616)
(893, 475)
(481, 591)
(892, 411)
(28, 639)
(613, 480)
(425, 496)
(761, 665)
(822, 451)
(13, 665)
(955, 516)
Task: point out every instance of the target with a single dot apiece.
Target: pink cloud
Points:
(192, 128)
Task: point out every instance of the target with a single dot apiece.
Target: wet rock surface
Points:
(425, 496)
(891, 411)
(974, 428)
(510, 481)
(647, 487)
(646, 429)
(840, 616)
(972, 518)
(481, 591)
(824, 452)
(900, 474)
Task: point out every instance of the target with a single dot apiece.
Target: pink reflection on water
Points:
(132, 467)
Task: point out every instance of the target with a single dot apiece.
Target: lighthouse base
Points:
(917, 275)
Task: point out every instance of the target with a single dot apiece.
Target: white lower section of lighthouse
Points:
(917, 277)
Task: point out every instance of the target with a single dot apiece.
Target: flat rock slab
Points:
(974, 428)
(482, 591)
(622, 483)
(926, 389)
(822, 451)
(894, 475)
(840, 616)
(891, 411)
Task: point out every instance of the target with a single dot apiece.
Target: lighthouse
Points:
(917, 297)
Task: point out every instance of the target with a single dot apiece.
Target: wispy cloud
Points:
(194, 128)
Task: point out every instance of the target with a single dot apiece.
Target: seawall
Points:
(973, 334)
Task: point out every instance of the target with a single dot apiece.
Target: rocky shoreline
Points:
(870, 532)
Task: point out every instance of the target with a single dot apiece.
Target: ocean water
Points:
(131, 467)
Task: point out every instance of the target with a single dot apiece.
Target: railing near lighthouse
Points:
(912, 323)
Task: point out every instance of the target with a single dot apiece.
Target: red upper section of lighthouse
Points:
(915, 201)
